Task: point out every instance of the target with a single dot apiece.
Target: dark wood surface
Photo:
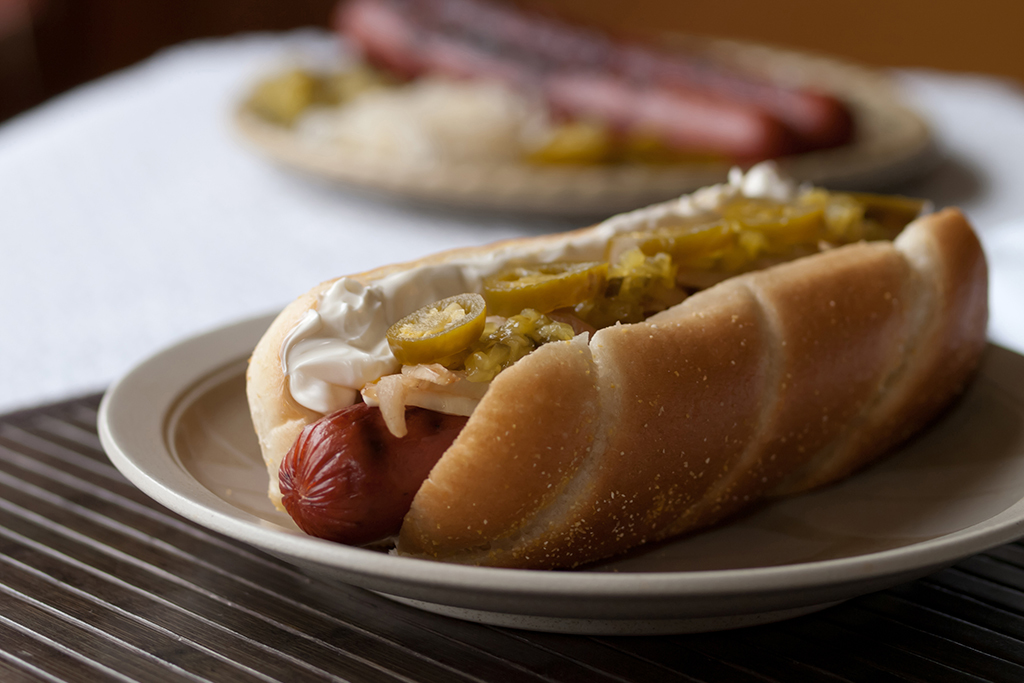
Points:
(99, 583)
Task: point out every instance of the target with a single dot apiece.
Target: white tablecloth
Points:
(130, 216)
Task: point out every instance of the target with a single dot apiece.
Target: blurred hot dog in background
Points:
(685, 102)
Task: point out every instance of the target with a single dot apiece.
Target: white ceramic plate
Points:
(178, 427)
(892, 144)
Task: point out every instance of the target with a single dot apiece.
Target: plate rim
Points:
(224, 347)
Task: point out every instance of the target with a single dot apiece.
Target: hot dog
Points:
(816, 119)
(770, 382)
(582, 74)
(348, 479)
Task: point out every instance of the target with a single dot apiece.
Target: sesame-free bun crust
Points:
(766, 384)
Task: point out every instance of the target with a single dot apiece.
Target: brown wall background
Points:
(71, 41)
(960, 35)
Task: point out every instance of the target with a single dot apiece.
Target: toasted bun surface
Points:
(769, 383)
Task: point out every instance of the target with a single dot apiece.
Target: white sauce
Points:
(340, 346)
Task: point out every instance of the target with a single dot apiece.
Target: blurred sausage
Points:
(570, 64)
(689, 120)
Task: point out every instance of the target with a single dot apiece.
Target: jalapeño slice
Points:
(283, 98)
(543, 287)
(577, 142)
(783, 225)
(892, 212)
(438, 330)
(690, 246)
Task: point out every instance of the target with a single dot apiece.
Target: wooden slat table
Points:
(99, 583)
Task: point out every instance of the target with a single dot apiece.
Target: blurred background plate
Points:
(892, 145)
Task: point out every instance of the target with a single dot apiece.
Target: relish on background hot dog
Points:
(692, 358)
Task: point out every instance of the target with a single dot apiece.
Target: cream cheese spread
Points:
(340, 346)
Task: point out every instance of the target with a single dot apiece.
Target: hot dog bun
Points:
(277, 417)
(766, 384)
